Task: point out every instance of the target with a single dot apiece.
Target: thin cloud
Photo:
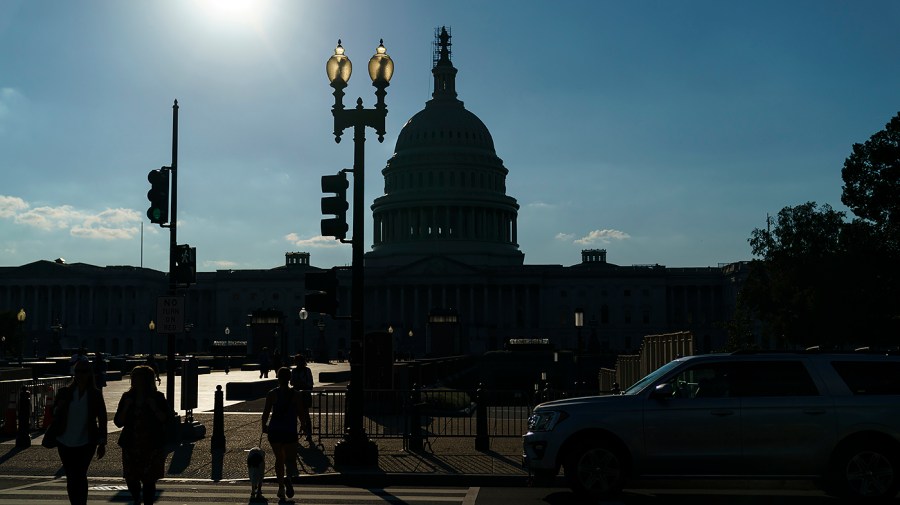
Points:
(109, 224)
(10, 206)
(565, 237)
(602, 236)
(317, 242)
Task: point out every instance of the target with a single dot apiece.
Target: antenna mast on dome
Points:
(438, 46)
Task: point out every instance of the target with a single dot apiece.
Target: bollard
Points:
(9, 418)
(48, 407)
(218, 434)
(415, 421)
(482, 441)
(23, 437)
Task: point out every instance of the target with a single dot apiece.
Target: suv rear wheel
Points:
(594, 469)
(866, 471)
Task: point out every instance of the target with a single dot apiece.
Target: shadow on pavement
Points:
(181, 459)
(218, 463)
(312, 460)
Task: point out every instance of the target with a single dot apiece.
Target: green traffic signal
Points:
(158, 196)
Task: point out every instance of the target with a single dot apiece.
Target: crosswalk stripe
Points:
(197, 493)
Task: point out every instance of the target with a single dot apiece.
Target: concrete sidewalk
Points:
(454, 460)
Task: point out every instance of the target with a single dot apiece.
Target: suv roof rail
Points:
(808, 350)
(818, 350)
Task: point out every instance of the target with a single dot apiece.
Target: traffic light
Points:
(336, 205)
(321, 292)
(185, 265)
(158, 196)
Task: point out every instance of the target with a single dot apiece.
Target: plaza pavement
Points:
(454, 461)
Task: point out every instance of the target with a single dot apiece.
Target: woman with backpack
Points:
(142, 415)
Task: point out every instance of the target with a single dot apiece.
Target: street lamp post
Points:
(579, 322)
(21, 318)
(227, 350)
(303, 315)
(355, 448)
(152, 328)
(323, 356)
(390, 331)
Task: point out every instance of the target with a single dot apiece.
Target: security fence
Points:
(420, 416)
(40, 396)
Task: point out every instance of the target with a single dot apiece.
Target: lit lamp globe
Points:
(381, 67)
(338, 67)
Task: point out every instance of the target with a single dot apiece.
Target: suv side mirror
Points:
(662, 391)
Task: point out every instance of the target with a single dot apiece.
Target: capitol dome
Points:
(445, 186)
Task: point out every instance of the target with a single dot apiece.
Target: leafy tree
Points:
(822, 280)
(871, 188)
(794, 288)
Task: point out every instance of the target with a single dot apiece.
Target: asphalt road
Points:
(198, 492)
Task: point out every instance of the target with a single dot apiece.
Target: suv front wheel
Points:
(594, 469)
(866, 471)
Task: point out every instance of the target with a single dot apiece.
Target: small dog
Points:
(256, 468)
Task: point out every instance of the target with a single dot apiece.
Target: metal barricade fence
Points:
(439, 413)
(43, 392)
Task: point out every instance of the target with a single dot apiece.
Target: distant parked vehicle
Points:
(831, 417)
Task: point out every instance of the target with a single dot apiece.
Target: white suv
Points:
(831, 417)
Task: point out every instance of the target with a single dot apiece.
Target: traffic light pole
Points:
(356, 448)
(173, 285)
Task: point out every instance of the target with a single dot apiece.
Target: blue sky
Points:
(663, 131)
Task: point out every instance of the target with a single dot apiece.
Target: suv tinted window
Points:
(869, 378)
(708, 380)
(774, 378)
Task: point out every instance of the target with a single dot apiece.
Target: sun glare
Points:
(232, 12)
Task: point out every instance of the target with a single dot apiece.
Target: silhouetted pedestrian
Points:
(80, 355)
(284, 404)
(80, 420)
(276, 360)
(99, 366)
(265, 363)
(302, 382)
(142, 415)
(151, 362)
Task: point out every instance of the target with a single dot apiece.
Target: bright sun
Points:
(232, 12)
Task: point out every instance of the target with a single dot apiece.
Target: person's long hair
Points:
(143, 377)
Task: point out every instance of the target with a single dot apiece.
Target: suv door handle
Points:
(722, 413)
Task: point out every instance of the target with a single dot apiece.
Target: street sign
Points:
(170, 314)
